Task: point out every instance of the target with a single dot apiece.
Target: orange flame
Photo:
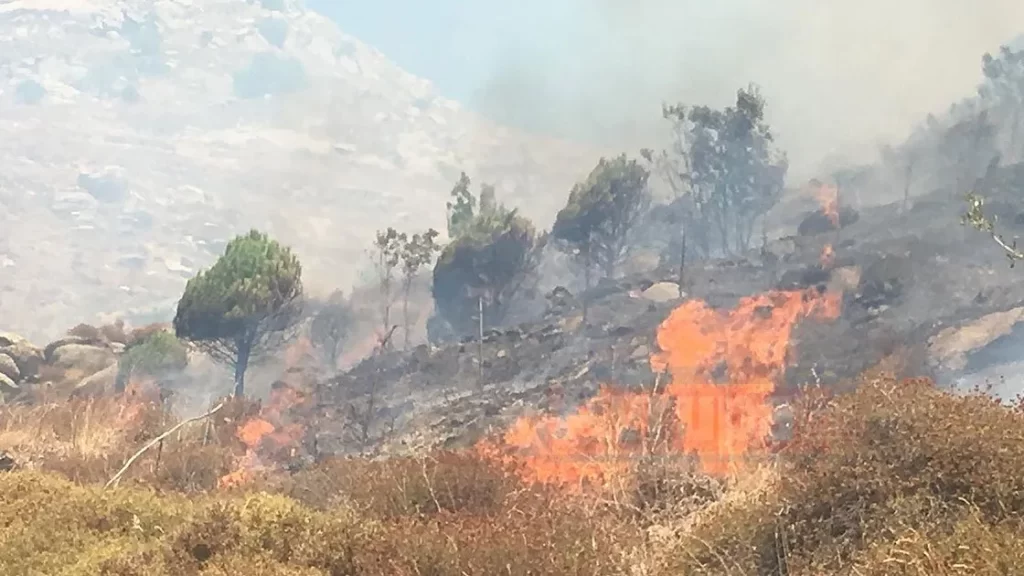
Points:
(261, 434)
(140, 395)
(723, 367)
(828, 196)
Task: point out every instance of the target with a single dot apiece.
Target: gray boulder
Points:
(663, 292)
(52, 347)
(7, 462)
(89, 359)
(99, 384)
(8, 386)
(26, 356)
(8, 367)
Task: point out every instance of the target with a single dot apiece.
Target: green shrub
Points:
(160, 355)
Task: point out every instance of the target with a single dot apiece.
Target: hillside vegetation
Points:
(895, 478)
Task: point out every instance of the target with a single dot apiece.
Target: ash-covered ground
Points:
(919, 290)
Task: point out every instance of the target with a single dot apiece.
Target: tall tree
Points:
(244, 305)
(602, 212)
(484, 268)
(461, 208)
(387, 255)
(418, 251)
(725, 169)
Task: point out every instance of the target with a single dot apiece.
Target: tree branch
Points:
(117, 477)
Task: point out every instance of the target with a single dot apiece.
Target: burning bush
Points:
(895, 478)
(715, 409)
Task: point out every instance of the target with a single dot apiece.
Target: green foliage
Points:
(726, 169)
(159, 355)
(461, 208)
(975, 217)
(238, 308)
(490, 259)
(602, 212)
(896, 477)
(387, 255)
(418, 251)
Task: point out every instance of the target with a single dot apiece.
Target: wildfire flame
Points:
(723, 367)
(139, 395)
(260, 433)
(828, 196)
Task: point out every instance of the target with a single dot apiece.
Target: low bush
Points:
(898, 477)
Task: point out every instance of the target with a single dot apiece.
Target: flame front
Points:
(723, 367)
(260, 433)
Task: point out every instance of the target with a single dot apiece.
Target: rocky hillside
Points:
(915, 293)
(139, 135)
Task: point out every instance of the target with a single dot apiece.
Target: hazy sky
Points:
(838, 75)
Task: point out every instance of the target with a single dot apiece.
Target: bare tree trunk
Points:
(244, 346)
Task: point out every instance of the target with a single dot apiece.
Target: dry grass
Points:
(896, 478)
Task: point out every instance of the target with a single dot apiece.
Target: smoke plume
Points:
(839, 77)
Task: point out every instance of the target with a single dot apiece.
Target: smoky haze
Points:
(839, 77)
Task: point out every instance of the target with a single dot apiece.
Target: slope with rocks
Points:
(140, 135)
(919, 295)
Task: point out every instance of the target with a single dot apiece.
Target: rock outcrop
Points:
(82, 363)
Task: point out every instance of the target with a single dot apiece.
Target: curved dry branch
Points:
(117, 477)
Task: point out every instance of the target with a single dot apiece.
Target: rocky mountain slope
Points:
(914, 293)
(139, 135)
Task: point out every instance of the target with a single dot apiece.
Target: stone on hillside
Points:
(27, 357)
(89, 359)
(7, 462)
(52, 347)
(7, 386)
(9, 368)
(10, 339)
(663, 292)
(99, 384)
(951, 347)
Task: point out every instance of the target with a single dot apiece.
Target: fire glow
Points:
(265, 433)
(723, 367)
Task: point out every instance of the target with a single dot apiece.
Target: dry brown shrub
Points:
(895, 459)
(88, 332)
(114, 332)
